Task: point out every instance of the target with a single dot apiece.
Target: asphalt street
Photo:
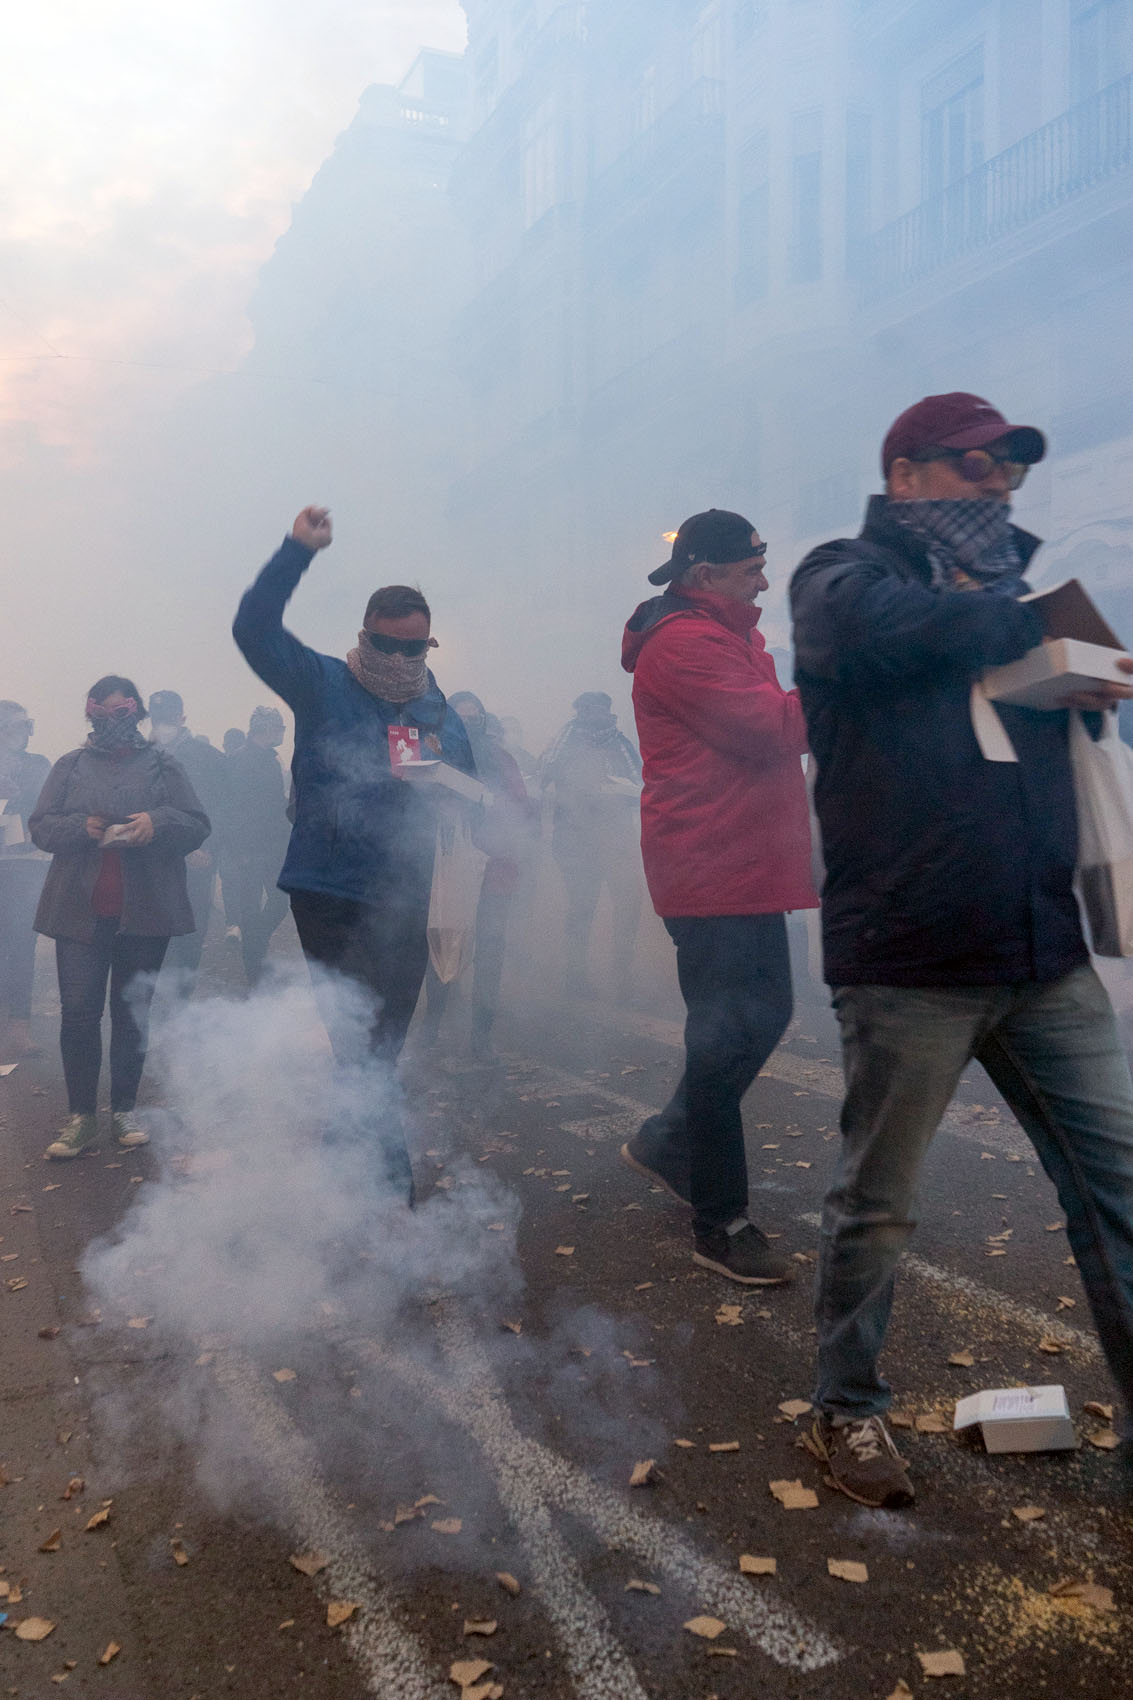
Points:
(411, 1453)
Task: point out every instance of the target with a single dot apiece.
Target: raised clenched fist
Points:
(312, 528)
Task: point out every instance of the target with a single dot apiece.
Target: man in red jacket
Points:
(725, 838)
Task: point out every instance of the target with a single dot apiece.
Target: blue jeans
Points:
(1054, 1053)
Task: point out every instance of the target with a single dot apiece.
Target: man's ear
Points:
(433, 644)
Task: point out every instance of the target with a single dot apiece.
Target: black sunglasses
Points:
(414, 647)
(974, 465)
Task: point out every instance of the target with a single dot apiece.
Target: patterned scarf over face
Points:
(115, 728)
(969, 542)
(392, 678)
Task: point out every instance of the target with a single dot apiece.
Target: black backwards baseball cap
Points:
(716, 536)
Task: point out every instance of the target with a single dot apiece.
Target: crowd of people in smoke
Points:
(945, 852)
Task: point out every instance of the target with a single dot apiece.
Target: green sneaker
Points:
(77, 1135)
(128, 1130)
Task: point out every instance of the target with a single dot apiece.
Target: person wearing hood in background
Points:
(258, 837)
(207, 774)
(359, 864)
(594, 772)
(950, 925)
(725, 838)
(21, 876)
(118, 817)
(505, 835)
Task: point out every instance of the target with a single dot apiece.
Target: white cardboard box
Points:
(441, 773)
(1019, 1419)
(1081, 651)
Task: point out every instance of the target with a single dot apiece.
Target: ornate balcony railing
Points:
(1076, 152)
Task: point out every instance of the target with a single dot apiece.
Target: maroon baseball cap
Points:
(957, 421)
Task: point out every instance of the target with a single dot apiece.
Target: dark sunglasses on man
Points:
(413, 647)
(974, 465)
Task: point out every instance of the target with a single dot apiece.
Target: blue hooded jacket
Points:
(360, 832)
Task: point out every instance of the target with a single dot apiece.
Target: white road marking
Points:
(390, 1660)
(531, 1479)
(996, 1306)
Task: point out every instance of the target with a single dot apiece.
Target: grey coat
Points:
(86, 782)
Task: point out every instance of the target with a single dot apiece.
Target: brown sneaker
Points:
(863, 1462)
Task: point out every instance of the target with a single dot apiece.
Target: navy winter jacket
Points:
(359, 831)
(942, 868)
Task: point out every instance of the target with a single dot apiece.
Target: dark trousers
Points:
(183, 958)
(131, 963)
(259, 906)
(21, 882)
(384, 952)
(735, 978)
(487, 969)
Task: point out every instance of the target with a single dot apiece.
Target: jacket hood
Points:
(738, 617)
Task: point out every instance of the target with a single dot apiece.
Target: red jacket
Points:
(725, 828)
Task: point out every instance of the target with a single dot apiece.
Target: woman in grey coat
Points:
(119, 817)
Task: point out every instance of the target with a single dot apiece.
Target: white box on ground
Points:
(1080, 651)
(440, 773)
(1019, 1419)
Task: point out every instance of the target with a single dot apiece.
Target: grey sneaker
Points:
(864, 1462)
(743, 1254)
(128, 1130)
(78, 1134)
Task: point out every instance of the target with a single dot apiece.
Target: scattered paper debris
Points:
(643, 1473)
(53, 1542)
(467, 1671)
(730, 1316)
(706, 1627)
(52, 1332)
(751, 1565)
(686, 1445)
(723, 1446)
(512, 1327)
(634, 1586)
(793, 1408)
(34, 1628)
(447, 1525)
(1105, 1439)
(931, 1422)
(948, 1663)
(283, 1375)
(179, 1550)
(962, 1360)
(99, 1519)
(507, 1582)
(1094, 1408)
(847, 1569)
(480, 1625)
(74, 1487)
(1089, 1593)
(139, 1322)
(902, 1691)
(341, 1611)
(112, 1651)
(1028, 1513)
(1053, 1347)
(564, 1251)
(793, 1496)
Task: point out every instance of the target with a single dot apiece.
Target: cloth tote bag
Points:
(1103, 788)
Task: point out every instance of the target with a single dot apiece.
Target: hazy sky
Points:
(149, 155)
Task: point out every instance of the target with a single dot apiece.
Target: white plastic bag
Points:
(458, 873)
(1103, 788)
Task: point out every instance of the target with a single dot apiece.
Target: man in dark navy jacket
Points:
(950, 926)
(359, 864)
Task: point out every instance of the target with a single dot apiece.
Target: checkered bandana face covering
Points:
(966, 540)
